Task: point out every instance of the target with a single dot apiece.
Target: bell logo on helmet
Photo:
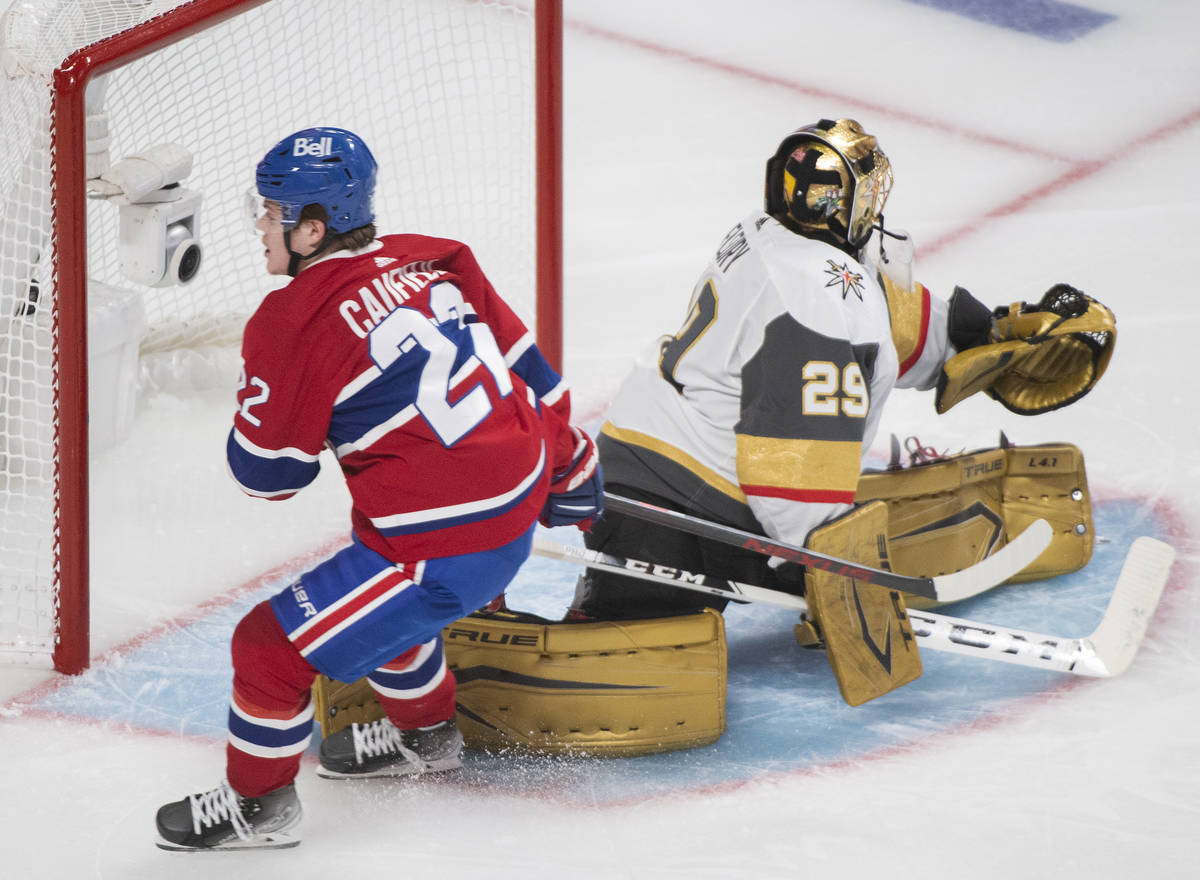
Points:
(303, 146)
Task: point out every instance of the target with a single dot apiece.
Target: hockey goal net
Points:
(457, 99)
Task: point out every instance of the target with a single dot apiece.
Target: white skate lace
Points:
(381, 738)
(217, 805)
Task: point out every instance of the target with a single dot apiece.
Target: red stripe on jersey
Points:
(920, 347)
(811, 496)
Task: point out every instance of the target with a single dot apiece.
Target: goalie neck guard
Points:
(830, 180)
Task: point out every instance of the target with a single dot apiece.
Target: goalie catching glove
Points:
(1031, 358)
(577, 491)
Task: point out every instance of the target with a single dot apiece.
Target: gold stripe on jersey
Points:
(681, 458)
(803, 470)
(909, 311)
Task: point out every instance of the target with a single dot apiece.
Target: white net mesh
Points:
(441, 90)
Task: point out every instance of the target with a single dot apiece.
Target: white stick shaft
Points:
(664, 574)
(975, 639)
(1013, 557)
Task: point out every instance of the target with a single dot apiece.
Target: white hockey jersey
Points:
(758, 412)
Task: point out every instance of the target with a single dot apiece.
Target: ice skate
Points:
(382, 749)
(221, 820)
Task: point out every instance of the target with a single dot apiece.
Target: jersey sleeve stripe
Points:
(538, 375)
(268, 476)
(555, 394)
(910, 314)
(281, 495)
(262, 452)
(518, 349)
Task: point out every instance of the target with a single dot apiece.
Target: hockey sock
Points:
(271, 713)
(417, 688)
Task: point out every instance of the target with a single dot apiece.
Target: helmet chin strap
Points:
(896, 235)
(296, 259)
(884, 234)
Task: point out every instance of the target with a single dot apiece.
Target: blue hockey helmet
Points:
(330, 167)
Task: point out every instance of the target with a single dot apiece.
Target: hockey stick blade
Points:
(1139, 587)
(1009, 560)
(1107, 652)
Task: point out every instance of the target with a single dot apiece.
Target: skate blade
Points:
(275, 840)
(394, 771)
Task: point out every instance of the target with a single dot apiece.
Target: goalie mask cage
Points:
(458, 99)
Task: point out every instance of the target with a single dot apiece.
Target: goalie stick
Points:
(1105, 653)
(995, 569)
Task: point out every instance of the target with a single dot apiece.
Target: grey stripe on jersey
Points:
(803, 385)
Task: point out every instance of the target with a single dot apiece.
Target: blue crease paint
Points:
(1048, 19)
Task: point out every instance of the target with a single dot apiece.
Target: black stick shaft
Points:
(918, 586)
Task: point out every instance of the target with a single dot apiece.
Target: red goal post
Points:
(459, 99)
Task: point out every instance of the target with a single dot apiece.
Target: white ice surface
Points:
(1019, 162)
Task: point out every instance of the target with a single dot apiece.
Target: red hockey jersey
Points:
(402, 359)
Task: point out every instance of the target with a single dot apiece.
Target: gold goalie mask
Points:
(829, 179)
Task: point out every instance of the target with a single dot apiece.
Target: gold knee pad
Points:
(605, 688)
(949, 514)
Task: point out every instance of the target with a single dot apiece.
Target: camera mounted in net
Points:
(158, 242)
